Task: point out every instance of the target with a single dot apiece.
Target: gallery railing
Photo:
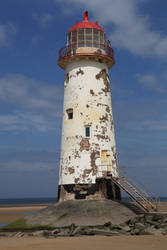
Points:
(73, 49)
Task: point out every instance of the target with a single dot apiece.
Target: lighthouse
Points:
(88, 150)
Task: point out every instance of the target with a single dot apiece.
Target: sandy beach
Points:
(10, 214)
(86, 243)
(146, 242)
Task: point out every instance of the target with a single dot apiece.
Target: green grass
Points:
(62, 216)
(22, 225)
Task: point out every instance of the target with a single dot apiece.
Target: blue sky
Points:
(31, 89)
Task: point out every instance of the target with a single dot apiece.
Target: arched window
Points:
(69, 113)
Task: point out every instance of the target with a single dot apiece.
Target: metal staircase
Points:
(141, 197)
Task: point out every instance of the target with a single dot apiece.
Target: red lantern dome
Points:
(85, 24)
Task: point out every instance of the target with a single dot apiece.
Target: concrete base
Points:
(102, 189)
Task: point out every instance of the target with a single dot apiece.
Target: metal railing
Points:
(137, 194)
(145, 191)
(71, 50)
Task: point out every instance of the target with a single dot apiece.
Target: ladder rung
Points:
(134, 193)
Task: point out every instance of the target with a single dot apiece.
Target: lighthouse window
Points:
(69, 38)
(88, 37)
(70, 114)
(87, 131)
(95, 36)
(101, 37)
(81, 37)
(74, 36)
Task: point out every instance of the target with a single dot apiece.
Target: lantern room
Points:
(86, 34)
(86, 38)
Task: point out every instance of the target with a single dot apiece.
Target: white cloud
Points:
(7, 34)
(130, 29)
(44, 19)
(22, 121)
(150, 81)
(20, 165)
(31, 95)
(30, 161)
(35, 105)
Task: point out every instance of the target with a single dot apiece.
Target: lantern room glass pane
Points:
(80, 37)
(74, 36)
(96, 36)
(69, 38)
(101, 37)
(89, 37)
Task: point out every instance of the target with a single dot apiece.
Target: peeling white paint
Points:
(86, 93)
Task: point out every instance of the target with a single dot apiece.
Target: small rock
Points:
(152, 231)
(157, 217)
(104, 233)
(107, 224)
(135, 231)
(139, 225)
(162, 225)
(154, 223)
(63, 232)
(164, 220)
(39, 233)
(55, 231)
(115, 227)
(126, 228)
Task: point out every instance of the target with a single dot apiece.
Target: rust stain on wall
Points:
(67, 78)
(72, 76)
(93, 156)
(76, 180)
(104, 130)
(101, 104)
(104, 137)
(92, 92)
(115, 156)
(84, 144)
(80, 71)
(103, 75)
(76, 154)
(104, 118)
(107, 109)
(71, 170)
(86, 172)
(112, 123)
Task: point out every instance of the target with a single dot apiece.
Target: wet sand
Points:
(10, 214)
(86, 243)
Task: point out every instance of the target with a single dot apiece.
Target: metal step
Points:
(134, 193)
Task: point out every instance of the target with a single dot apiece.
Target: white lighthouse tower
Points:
(88, 152)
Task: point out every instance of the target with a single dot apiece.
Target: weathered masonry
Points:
(88, 152)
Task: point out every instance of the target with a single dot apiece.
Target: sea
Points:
(41, 201)
(27, 201)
